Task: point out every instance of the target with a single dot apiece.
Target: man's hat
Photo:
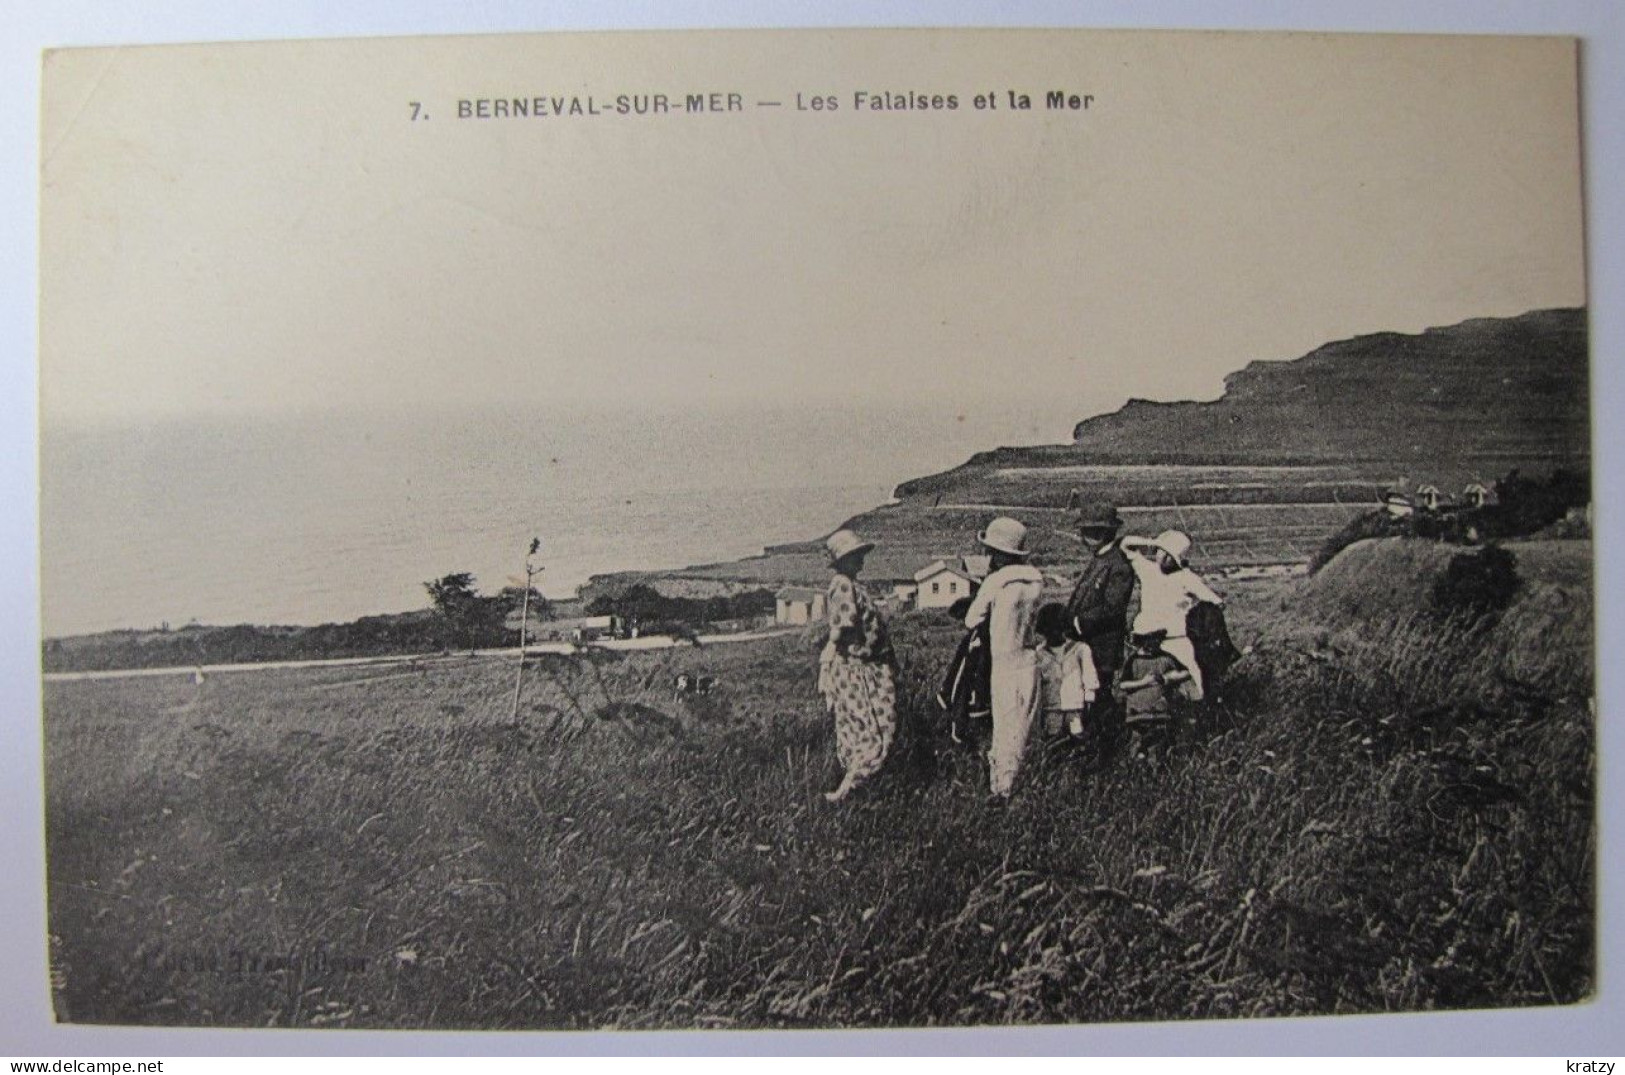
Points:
(1006, 535)
(844, 543)
(1099, 517)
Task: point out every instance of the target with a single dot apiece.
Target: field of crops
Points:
(1376, 818)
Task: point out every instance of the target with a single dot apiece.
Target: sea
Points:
(327, 517)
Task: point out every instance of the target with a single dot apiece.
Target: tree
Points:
(639, 602)
(643, 604)
(1530, 504)
(468, 618)
(512, 599)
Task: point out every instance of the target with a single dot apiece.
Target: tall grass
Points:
(1368, 821)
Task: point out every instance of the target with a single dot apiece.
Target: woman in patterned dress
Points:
(857, 672)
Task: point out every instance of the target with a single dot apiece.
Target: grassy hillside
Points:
(1373, 821)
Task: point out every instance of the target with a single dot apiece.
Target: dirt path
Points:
(650, 642)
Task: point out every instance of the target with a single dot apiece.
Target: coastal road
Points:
(649, 642)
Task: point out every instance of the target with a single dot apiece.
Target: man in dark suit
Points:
(1097, 612)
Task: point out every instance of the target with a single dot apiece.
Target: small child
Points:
(1068, 679)
(1151, 680)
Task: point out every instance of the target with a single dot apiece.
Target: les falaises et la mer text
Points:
(544, 106)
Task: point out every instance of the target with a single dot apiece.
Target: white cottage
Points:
(799, 605)
(941, 583)
(903, 592)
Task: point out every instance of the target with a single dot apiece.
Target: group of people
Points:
(1083, 670)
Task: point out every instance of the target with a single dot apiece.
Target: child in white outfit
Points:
(1068, 679)
(1168, 591)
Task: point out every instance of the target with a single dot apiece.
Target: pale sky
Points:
(248, 229)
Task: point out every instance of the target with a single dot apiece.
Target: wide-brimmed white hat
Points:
(1005, 535)
(1173, 542)
(844, 543)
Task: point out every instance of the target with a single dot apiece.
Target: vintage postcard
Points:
(768, 529)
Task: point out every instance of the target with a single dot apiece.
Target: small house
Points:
(1429, 498)
(799, 604)
(941, 583)
(1480, 495)
(1397, 504)
(592, 628)
(577, 629)
(888, 576)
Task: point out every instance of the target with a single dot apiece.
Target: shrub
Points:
(1477, 585)
(468, 618)
(1529, 504)
(643, 604)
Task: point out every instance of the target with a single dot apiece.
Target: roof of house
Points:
(889, 565)
(799, 593)
(939, 567)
